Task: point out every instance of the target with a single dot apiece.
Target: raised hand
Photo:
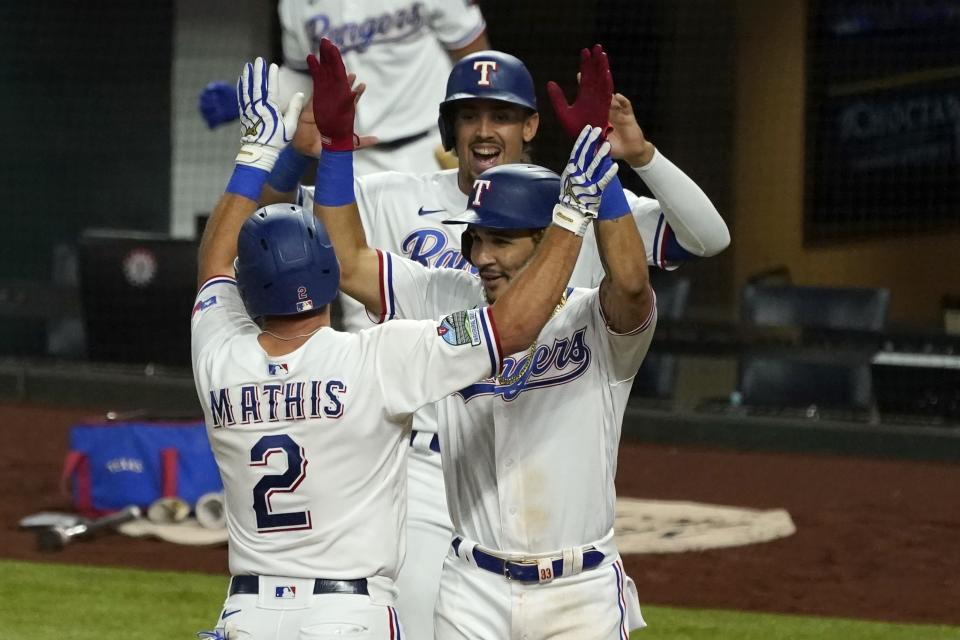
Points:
(594, 94)
(589, 169)
(334, 100)
(626, 139)
(307, 142)
(264, 129)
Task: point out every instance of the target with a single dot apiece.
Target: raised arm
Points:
(527, 304)
(625, 294)
(695, 221)
(334, 104)
(264, 131)
(305, 148)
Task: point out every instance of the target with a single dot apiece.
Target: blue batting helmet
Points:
(493, 75)
(509, 196)
(285, 264)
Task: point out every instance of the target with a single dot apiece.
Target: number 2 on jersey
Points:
(267, 520)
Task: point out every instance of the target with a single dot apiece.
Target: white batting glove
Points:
(265, 130)
(227, 632)
(587, 172)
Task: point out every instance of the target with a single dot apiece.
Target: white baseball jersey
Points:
(529, 456)
(397, 47)
(311, 445)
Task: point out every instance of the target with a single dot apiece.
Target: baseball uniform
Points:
(529, 459)
(310, 446)
(402, 213)
(399, 48)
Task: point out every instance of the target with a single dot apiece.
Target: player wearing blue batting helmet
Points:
(285, 263)
(507, 210)
(489, 116)
(511, 196)
(491, 75)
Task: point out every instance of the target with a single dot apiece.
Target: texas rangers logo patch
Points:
(460, 328)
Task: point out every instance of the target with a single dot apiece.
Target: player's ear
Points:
(530, 126)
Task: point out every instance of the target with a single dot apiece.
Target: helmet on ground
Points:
(493, 75)
(285, 263)
(509, 196)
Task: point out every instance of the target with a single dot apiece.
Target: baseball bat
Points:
(56, 538)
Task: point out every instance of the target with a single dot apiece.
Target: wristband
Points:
(570, 219)
(288, 169)
(247, 181)
(334, 184)
(613, 202)
(260, 156)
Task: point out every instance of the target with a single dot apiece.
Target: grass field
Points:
(69, 602)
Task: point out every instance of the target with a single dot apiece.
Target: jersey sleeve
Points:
(660, 242)
(420, 362)
(404, 287)
(695, 227)
(624, 351)
(456, 23)
(218, 314)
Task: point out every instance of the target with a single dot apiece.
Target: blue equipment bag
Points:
(113, 465)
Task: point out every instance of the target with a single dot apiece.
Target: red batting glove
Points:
(333, 99)
(592, 106)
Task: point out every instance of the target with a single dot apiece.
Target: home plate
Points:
(666, 526)
(188, 532)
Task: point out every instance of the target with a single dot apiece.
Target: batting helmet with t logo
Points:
(493, 75)
(510, 196)
(285, 263)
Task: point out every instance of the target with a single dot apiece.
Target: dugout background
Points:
(103, 129)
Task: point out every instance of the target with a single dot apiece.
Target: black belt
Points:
(401, 142)
(250, 585)
(525, 571)
(434, 441)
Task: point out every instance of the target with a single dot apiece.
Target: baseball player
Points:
(492, 96)
(309, 425)
(529, 455)
(392, 45)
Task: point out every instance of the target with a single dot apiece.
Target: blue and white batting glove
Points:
(265, 131)
(218, 104)
(589, 169)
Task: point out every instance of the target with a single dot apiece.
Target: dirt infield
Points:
(876, 539)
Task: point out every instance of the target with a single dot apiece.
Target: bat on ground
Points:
(57, 537)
